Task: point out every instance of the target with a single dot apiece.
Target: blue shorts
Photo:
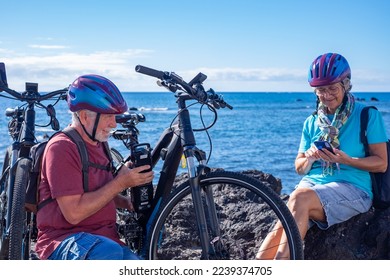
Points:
(86, 246)
(340, 200)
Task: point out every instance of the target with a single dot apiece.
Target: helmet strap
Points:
(95, 126)
(92, 137)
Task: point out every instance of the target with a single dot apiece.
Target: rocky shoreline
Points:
(363, 237)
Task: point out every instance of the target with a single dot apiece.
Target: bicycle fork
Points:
(208, 246)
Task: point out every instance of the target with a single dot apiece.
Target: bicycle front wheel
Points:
(4, 238)
(19, 243)
(247, 210)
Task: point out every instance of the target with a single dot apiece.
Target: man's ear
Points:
(83, 116)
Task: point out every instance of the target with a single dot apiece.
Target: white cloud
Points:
(252, 79)
(59, 70)
(48, 47)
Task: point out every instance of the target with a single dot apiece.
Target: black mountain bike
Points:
(18, 225)
(211, 213)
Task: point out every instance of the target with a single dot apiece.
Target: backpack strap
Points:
(363, 127)
(73, 135)
(76, 138)
(107, 150)
(363, 139)
(110, 166)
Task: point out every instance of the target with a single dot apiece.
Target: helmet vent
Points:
(325, 70)
(89, 86)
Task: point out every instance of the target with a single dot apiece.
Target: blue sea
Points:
(261, 132)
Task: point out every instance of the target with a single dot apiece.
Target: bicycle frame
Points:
(23, 135)
(185, 143)
(176, 141)
(24, 139)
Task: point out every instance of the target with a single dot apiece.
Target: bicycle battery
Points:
(142, 196)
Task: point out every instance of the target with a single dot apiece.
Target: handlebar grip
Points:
(150, 72)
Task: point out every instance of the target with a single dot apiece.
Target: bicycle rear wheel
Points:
(247, 211)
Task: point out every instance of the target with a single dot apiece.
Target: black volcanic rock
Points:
(363, 237)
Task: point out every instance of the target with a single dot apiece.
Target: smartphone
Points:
(323, 145)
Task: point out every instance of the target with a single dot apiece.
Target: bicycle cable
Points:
(205, 128)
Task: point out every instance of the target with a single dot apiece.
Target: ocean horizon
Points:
(262, 131)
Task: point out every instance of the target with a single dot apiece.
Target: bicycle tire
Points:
(18, 226)
(174, 235)
(4, 240)
(116, 156)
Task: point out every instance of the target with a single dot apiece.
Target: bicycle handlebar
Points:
(194, 88)
(152, 72)
(35, 96)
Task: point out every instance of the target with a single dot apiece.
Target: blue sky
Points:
(243, 45)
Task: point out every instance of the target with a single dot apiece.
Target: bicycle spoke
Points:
(242, 228)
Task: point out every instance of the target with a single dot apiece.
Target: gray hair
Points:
(75, 116)
(346, 83)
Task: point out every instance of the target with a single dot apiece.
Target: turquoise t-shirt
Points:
(349, 137)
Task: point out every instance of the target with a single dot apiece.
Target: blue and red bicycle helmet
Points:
(95, 93)
(329, 68)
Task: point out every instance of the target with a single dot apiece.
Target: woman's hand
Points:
(338, 156)
(312, 155)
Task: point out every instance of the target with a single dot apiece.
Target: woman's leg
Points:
(304, 204)
(270, 245)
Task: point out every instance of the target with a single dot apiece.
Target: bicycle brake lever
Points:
(170, 87)
(55, 125)
(51, 112)
(216, 105)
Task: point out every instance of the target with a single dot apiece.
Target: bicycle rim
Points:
(247, 211)
(117, 158)
(18, 225)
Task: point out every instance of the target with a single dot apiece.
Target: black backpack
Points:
(36, 155)
(380, 181)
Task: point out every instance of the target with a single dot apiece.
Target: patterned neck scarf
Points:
(330, 130)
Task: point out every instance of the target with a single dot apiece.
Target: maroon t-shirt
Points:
(61, 175)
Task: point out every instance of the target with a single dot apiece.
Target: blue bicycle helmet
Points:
(329, 68)
(95, 93)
